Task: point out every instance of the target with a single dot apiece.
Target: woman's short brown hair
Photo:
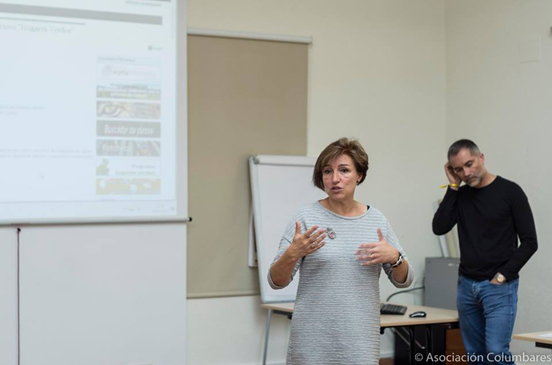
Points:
(343, 146)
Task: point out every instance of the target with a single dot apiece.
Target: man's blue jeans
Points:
(487, 313)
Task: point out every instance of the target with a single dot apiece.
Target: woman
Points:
(340, 245)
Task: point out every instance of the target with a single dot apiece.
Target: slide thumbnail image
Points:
(108, 147)
(128, 167)
(128, 186)
(106, 128)
(123, 109)
(129, 91)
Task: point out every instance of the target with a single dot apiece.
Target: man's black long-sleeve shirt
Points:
(490, 219)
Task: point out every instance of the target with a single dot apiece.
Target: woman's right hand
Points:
(304, 244)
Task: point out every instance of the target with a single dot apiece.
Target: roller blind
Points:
(245, 97)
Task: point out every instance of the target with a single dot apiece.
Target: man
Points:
(491, 213)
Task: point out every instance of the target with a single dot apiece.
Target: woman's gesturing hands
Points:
(304, 244)
(380, 252)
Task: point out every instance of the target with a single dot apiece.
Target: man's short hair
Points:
(460, 145)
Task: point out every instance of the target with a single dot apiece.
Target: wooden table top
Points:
(535, 337)
(434, 315)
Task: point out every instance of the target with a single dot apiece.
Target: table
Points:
(435, 316)
(544, 342)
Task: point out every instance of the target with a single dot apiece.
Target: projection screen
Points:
(88, 112)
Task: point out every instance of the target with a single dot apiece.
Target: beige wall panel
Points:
(245, 97)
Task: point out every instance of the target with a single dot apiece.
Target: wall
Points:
(232, 331)
(377, 72)
(8, 298)
(498, 93)
(94, 294)
(110, 294)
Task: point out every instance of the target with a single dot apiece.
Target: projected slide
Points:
(87, 110)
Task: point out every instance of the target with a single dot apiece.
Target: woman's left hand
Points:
(377, 252)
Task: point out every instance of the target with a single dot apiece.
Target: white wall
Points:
(499, 98)
(376, 72)
(8, 295)
(231, 331)
(111, 294)
(94, 294)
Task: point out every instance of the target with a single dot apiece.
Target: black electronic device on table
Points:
(418, 314)
(392, 309)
